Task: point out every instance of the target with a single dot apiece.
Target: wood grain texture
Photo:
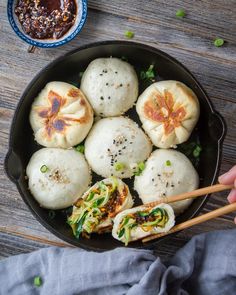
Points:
(190, 40)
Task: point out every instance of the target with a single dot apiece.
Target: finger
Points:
(232, 196)
(235, 220)
(229, 177)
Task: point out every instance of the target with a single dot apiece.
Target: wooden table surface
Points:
(190, 40)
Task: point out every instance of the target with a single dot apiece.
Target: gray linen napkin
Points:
(206, 265)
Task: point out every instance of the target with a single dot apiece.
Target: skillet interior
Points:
(210, 129)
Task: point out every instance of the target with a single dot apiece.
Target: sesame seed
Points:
(116, 72)
(159, 175)
(121, 85)
(152, 179)
(101, 97)
(100, 74)
(107, 84)
(109, 97)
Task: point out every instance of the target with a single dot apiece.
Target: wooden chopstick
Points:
(216, 213)
(196, 193)
(189, 195)
(8, 230)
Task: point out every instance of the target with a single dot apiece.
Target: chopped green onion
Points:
(81, 74)
(80, 148)
(168, 163)
(119, 166)
(141, 166)
(51, 214)
(149, 74)
(98, 202)
(44, 169)
(180, 13)
(218, 42)
(197, 151)
(121, 233)
(143, 214)
(90, 196)
(80, 225)
(102, 186)
(129, 34)
(37, 281)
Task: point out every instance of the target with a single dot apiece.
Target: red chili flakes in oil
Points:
(46, 19)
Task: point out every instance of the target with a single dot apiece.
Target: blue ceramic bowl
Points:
(48, 43)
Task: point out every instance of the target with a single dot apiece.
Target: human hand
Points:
(230, 178)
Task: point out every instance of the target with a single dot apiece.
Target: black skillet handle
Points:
(217, 127)
(13, 166)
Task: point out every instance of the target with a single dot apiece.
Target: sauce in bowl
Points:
(46, 19)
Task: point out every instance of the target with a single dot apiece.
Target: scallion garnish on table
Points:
(129, 34)
(180, 13)
(219, 42)
(37, 281)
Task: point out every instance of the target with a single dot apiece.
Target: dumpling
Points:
(111, 86)
(169, 111)
(137, 223)
(57, 177)
(60, 116)
(167, 173)
(96, 209)
(116, 147)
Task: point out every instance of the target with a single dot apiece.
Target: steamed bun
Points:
(167, 173)
(110, 85)
(57, 177)
(169, 111)
(60, 116)
(115, 146)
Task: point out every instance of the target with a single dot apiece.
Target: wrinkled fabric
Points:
(206, 265)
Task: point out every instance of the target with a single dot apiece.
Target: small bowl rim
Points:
(42, 44)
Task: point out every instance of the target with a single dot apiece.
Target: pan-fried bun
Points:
(111, 86)
(115, 146)
(167, 173)
(60, 116)
(169, 111)
(57, 177)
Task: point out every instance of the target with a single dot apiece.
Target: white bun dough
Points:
(116, 140)
(159, 180)
(60, 115)
(137, 232)
(168, 110)
(66, 179)
(110, 85)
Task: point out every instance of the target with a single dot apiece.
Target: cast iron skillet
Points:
(210, 130)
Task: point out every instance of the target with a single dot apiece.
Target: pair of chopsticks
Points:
(194, 194)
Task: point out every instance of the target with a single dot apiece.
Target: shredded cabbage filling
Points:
(146, 219)
(101, 203)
